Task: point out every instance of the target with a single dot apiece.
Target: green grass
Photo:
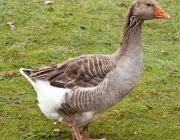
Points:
(45, 34)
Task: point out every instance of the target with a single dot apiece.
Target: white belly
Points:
(50, 99)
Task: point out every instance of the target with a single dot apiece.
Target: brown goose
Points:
(79, 90)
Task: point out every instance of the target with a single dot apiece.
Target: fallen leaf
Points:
(149, 107)
(54, 123)
(11, 73)
(69, 14)
(0, 96)
(11, 24)
(56, 130)
(178, 126)
(164, 116)
(174, 71)
(16, 102)
(117, 16)
(49, 2)
(83, 27)
(23, 128)
(165, 52)
(108, 43)
(176, 38)
(118, 113)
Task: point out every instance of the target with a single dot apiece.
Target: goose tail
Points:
(26, 73)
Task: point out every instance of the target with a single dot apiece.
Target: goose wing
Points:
(84, 71)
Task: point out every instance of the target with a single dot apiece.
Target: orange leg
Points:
(72, 124)
(85, 134)
(75, 131)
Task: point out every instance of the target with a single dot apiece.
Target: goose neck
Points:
(132, 37)
(132, 32)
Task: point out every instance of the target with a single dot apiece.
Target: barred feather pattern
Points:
(131, 29)
(119, 82)
(84, 71)
(132, 26)
(87, 99)
(93, 78)
(91, 84)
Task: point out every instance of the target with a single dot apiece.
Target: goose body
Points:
(79, 90)
(80, 102)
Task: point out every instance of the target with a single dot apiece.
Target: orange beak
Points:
(159, 13)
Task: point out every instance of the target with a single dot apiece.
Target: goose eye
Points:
(148, 4)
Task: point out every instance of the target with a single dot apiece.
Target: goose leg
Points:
(72, 124)
(85, 134)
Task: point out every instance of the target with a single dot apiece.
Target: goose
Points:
(79, 90)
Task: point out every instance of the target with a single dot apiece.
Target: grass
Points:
(45, 34)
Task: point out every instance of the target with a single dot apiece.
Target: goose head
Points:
(147, 10)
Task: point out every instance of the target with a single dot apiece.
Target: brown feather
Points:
(84, 71)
